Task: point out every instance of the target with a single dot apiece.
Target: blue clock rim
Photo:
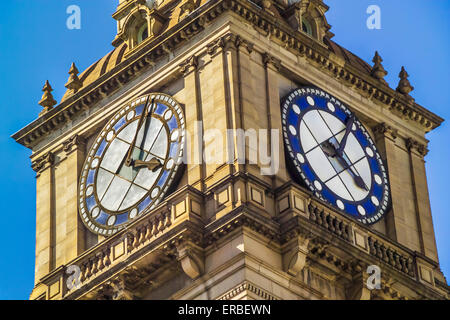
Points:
(373, 213)
(143, 206)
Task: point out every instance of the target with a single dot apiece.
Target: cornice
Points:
(279, 31)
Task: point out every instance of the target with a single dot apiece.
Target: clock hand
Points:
(129, 160)
(153, 164)
(357, 178)
(341, 148)
(330, 150)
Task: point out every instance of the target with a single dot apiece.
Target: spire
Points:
(404, 86)
(74, 83)
(47, 101)
(378, 71)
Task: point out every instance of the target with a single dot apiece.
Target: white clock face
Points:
(318, 127)
(333, 154)
(132, 163)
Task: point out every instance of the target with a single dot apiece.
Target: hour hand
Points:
(357, 178)
(129, 159)
(349, 126)
(154, 164)
(331, 151)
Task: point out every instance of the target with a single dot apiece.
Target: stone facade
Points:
(228, 232)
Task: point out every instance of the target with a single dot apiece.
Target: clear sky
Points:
(36, 45)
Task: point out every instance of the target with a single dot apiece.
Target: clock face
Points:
(132, 163)
(331, 151)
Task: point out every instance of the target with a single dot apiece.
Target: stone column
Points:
(417, 152)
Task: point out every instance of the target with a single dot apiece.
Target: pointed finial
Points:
(378, 71)
(404, 86)
(47, 101)
(74, 83)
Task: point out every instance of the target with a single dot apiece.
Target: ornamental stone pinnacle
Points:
(378, 71)
(47, 100)
(404, 86)
(74, 83)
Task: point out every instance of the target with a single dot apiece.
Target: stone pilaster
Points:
(385, 137)
(194, 123)
(401, 220)
(417, 152)
(272, 67)
(45, 210)
(68, 230)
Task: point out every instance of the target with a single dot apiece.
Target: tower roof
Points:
(100, 67)
(179, 21)
(116, 56)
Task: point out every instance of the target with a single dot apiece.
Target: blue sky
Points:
(36, 45)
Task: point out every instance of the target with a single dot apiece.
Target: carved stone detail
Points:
(187, 8)
(242, 43)
(294, 259)
(74, 141)
(270, 8)
(270, 60)
(358, 290)
(225, 43)
(47, 101)
(378, 71)
(404, 86)
(247, 286)
(417, 147)
(115, 290)
(314, 13)
(191, 259)
(43, 162)
(189, 65)
(385, 130)
(74, 83)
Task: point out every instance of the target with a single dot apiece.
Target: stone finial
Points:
(378, 71)
(404, 86)
(74, 83)
(47, 100)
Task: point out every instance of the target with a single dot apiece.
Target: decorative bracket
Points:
(294, 258)
(115, 290)
(191, 259)
(358, 290)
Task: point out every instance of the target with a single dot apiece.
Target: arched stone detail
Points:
(132, 23)
(311, 12)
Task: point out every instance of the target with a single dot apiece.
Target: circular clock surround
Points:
(352, 178)
(112, 194)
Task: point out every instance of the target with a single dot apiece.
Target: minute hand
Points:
(341, 148)
(129, 160)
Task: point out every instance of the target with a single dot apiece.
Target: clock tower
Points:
(230, 149)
